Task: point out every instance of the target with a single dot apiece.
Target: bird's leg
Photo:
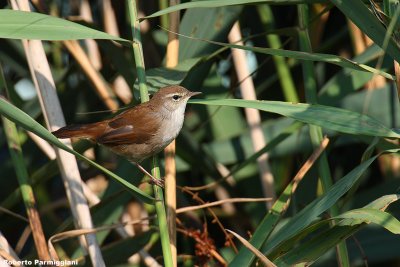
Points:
(154, 180)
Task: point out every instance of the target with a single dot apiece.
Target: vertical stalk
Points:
(172, 59)
(28, 197)
(163, 4)
(119, 85)
(253, 116)
(310, 86)
(26, 190)
(137, 51)
(140, 69)
(50, 105)
(282, 68)
(162, 218)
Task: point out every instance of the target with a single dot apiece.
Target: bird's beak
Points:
(194, 93)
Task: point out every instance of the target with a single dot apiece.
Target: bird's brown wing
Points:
(134, 126)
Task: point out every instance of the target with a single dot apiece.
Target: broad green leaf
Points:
(369, 215)
(383, 202)
(21, 118)
(332, 118)
(30, 25)
(221, 3)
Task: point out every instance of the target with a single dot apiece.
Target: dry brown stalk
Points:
(172, 59)
(253, 116)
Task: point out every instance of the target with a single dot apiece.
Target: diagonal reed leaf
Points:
(301, 55)
(30, 25)
(221, 3)
(336, 119)
(369, 215)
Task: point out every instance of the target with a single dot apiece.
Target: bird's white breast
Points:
(173, 124)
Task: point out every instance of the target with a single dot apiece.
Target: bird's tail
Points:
(89, 131)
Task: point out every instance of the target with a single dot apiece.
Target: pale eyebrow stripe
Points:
(180, 94)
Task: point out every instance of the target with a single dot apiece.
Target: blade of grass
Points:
(27, 194)
(54, 118)
(162, 76)
(26, 189)
(15, 24)
(310, 85)
(283, 70)
(301, 55)
(172, 59)
(369, 215)
(332, 118)
(138, 51)
(222, 3)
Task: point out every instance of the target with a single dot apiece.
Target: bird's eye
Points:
(176, 97)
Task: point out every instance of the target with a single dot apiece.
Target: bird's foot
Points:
(158, 182)
(153, 180)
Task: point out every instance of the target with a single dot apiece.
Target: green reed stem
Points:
(163, 4)
(12, 136)
(137, 50)
(158, 192)
(282, 68)
(316, 135)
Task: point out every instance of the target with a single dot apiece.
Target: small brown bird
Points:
(141, 131)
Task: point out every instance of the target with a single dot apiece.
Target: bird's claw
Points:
(158, 182)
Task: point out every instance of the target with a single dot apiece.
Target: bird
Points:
(139, 132)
